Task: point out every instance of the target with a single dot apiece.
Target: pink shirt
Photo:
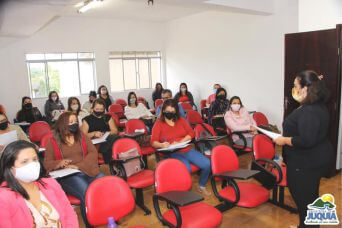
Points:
(211, 98)
(239, 123)
(15, 213)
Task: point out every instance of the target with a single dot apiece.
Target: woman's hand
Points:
(165, 145)
(98, 134)
(63, 163)
(281, 141)
(253, 130)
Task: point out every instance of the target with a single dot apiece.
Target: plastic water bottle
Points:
(111, 223)
(278, 159)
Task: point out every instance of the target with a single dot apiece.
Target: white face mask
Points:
(183, 90)
(74, 107)
(235, 107)
(54, 98)
(132, 100)
(28, 173)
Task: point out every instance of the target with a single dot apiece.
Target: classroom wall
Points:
(244, 53)
(71, 34)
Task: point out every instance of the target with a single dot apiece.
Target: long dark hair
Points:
(129, 97)
(99, 90)
(220, 90)
(156, 88)
(317, 91)
(62, 128)
(172, 103)
(22, 102)
(50, 95)
(7, 160)
(78, 102)
(186, 86)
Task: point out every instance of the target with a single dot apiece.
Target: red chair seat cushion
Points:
(142, 179)
(73, 200)
(276, 173)
(147, 150)
(194, 168)
(196, 215)
(251, 195)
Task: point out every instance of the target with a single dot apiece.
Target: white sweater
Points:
(137, 113)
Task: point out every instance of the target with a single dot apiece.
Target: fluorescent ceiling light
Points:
(89, 4)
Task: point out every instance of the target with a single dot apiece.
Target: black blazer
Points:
(308, 126)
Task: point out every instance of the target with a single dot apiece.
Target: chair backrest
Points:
(108, 196)
(142, 100)
(186, 106)
(203, 127)
(203, 104)
(158, 102)
(37, 130)
(193, 117)
(121, 102)
(123, 145)
(134, 124)
(116, 109)
(172, 175)
(223, 159)
(263, 147)
(260, 118)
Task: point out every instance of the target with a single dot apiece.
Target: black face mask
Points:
(98, 114)
(221, 97)
(73, 128)
(170, 115)
(3, 125)
(28, 106)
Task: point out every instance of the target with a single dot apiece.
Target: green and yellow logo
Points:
(322, 211)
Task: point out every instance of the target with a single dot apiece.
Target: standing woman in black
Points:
(307, 151)
(157, 92)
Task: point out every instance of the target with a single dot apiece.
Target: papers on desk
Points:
(63, 172)
(101, 139)
(270, 134)
(8, 137)
(139, 130)
(23, 124)
(176, 146)
(211, 138)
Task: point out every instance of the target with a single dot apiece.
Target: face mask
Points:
(214, 91)
(3, 125)
(28, 173)
(296, 95)
(132, 100)
(28, 106)
(98, 114)
(235, 107)
(170, 115)
(74, 107)
(221, 97)
(183, 90)
(103, 91)
(54, 98)
(73, 128)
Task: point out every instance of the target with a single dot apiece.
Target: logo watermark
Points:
(322, 211)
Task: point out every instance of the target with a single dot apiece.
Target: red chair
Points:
(37, 130)
(264, 153)
(138, 181)
(116, 121)
(157, 103)
(204, 109)
(142, 100)
(136, 124)
(194, 118)
(200, 128)
(260, 119)
(116, 201)
(175, 188)
(240, 149)
(121, 102)
(118, 110)
(243, 194)
(186, 106)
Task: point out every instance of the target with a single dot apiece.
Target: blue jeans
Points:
(77, 185)
(199, 160)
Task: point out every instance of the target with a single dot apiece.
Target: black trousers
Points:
(304, 188)
(106, 147)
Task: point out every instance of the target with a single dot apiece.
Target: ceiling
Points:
(23, 18)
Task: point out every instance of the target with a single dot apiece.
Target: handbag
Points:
(131, 161)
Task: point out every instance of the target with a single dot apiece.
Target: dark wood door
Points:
(318, 51)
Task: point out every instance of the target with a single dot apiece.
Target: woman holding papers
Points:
(307, 151)
(69, 148)
(28, 113)
(97, 124)
(237, 118)
(217, 109)
(27, 197)
(170, 129)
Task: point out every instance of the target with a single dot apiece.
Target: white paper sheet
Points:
(63, 172)
(8, 137)
(101, 139)
(270, 134)
(176, 146)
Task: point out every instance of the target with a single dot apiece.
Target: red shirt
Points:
(162, 132)
(183, 98)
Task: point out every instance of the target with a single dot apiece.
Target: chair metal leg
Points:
(222, 207)
(278, 200)
(139, 199)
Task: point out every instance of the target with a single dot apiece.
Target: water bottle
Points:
(111, 223)
(278, 159)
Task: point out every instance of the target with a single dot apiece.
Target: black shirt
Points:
(29, 115)
(97, 124)
(308, 126)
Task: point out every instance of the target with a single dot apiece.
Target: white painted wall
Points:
(244, 53)
(319, 14)
(71, 34)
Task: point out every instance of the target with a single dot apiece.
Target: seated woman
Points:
(157, 92)
(135, 110)
(237, 118)
(69, 148)
(212, 97)
(216, 111)
(74, 106)
(28, 113)
(27, 197)
(184, 95)
(169, 129)
(104, 95)
(98, 123)
(87, 105)
(53, 107)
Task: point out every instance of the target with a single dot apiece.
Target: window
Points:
(70, 74)
(134, 70)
